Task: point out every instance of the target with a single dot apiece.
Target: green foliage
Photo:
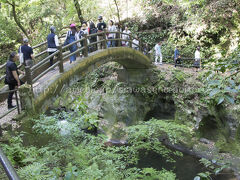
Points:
(179, 76)
(150, 173)
(154, 130)
(18, 154)
(221, 88)
(212, 169)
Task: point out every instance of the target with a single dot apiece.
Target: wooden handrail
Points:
(75, 42)
(96, 34)
(67, 55)
(45, 72)
(40, 54)
(39, 45)
(44, 60)
(3, 66)
(73, 53)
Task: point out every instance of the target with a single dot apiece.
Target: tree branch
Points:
(118, 12)
(79, 12)
(16, 18)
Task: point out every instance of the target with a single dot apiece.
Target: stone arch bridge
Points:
(44, 83)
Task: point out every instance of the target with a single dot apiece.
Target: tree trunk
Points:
(79, 12)
(118, 12)
(16, 18)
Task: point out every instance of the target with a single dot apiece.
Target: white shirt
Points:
(125, 36)
(85, 31)
(157, 49)
(57, 44)
(136, 42)
(112, 29)
(197, 54)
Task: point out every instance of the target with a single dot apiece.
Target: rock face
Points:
(169, 94)
(118, 111)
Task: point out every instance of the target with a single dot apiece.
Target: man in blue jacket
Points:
(27, 53)
(177, 57)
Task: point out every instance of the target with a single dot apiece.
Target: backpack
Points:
(93, 31)
(21, 59)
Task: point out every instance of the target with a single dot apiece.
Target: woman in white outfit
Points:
(197, 58)
(126, 36)
(158, 53)
(111, 28)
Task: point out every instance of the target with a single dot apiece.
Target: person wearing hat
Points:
(72, 36)
(27, 53)
(83, 31)
(101, 26)
(12, 76)
(52, 42)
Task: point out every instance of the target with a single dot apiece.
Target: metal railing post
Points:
(60, 59)
(85, 51)
(28, 75)
(18, 108)
(11, 173)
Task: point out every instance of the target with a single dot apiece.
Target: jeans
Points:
(111, 43)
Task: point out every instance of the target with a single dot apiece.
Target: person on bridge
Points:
(197, 59)
(93, 39)
(111, 28)
(12, 77)
(27, 53)
(101, 26)
(126, 36)
(52, 42)
(177, 57)
(72, 36)
(82, 32)
(135, 43)
(158, 53)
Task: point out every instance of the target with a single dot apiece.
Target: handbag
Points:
(21, 58)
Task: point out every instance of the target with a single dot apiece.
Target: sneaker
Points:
(11, 106)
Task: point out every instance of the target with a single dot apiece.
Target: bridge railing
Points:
(42, 67)
(8, 168)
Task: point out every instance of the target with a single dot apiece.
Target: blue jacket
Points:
(176, 54)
